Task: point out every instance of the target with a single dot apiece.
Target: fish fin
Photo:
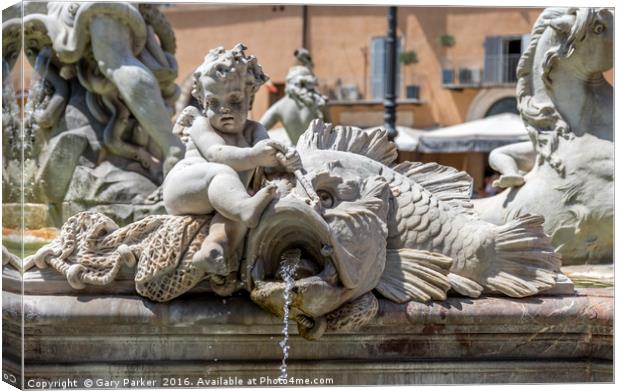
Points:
(373, 144)
(446, 183)
(465, 286)
(367, 217)
(525, 260)
(414, 275)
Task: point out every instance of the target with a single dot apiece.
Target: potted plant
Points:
(447, 41)
(408, 58)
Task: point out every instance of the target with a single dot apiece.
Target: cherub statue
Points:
(223, 151)
(302, 102)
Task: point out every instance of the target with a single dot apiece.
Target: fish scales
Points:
(433, 225)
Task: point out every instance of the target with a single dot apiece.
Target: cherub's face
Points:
(307, 82)
(226, 103)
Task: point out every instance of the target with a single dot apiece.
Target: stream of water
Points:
(287, 271)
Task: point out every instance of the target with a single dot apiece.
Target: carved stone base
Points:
(118, 336)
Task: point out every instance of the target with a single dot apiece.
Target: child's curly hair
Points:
(220, 64)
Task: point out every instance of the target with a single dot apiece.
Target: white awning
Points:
(481, 135)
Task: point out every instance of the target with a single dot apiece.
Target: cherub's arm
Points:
(287, 157)
(214, 148)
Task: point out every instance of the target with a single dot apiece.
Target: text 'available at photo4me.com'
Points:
(176, 382)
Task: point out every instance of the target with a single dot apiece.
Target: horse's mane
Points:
(543, 121)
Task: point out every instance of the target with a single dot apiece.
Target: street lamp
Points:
(389, 101)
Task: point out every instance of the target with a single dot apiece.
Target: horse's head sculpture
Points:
(564, 43)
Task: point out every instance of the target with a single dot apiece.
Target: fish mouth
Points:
(291, 233)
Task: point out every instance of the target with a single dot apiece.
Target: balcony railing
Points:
(461, 77)
(498, 70)
(501, 69)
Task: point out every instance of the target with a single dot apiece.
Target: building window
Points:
(378, 66)
(501, 56)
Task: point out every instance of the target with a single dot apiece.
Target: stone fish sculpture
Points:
(406, 232)
(567, 107)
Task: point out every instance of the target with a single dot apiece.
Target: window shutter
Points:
(377, 54)
(492, 59)
(379, 66)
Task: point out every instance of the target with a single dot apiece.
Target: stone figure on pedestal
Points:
(302, 103)
(566, 172)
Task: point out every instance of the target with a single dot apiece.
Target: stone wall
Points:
(460, 341)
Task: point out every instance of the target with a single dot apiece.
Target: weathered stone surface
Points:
(566, 173)
(96, 127)
(487, 340)
(108, 184)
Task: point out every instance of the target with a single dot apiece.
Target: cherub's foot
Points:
(505, 181)
(210, 259)
(253, 208)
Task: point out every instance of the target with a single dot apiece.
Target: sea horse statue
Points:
(567, 107)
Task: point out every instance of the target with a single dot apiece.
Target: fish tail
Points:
(525, 260)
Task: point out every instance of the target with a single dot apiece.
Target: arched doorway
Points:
(503, 105)
(486, 99)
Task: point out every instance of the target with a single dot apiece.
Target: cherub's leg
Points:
(509, 160)
(197, 187)
(219, 252)
(185, 188)
(229, 197)
(111, 43)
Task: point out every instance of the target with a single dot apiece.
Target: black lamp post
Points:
(389, 102)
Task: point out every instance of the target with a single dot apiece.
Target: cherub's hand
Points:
(187, 116)
(290, 160)
(265, 151)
